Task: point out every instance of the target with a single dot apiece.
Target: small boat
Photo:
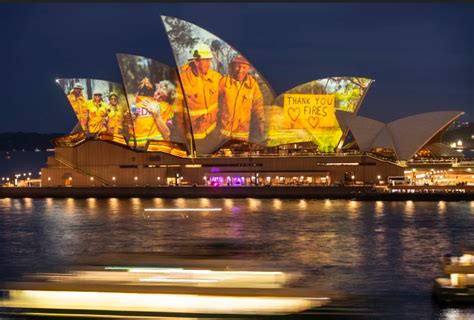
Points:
(459, 286)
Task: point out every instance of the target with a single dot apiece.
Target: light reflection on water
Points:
(276, 204)
(388, 251)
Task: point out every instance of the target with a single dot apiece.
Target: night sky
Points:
(421, 55)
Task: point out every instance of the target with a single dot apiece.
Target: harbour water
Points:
(380, 255)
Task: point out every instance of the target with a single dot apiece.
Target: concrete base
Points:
(295, 192)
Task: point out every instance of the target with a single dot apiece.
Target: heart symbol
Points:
(294, 113)
(313, 121)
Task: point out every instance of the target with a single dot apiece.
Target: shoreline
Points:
(362, 193)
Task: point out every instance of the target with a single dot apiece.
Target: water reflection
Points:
(204, 203)
(254, 204)
(379, 207)
(70, 205)
(276, 204)
(158, 202)
(91, 204)
(441, 207)
(409, 208)
(303, 204)
(327, 204)
(353, 208)
(228, 204)
(180, 203)
(114, 206)
(136, 205)
(5, 203)
(378, 249)
(28, 203)
(49, 202)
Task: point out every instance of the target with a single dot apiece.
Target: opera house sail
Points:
(213, 118)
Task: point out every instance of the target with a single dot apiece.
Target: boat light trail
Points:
(181, 209)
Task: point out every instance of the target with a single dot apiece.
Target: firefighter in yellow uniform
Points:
(114, 115)
(144, 127)
(79, 104)
(162, 107)
(240, 101)
(96, 114)
(152, 111)
(200, 86)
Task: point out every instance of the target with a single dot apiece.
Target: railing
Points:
(464, 164)
(84, 172)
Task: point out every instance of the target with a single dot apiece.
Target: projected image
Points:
(348, 91)
(226, 97)
(307, 112)
(156, 101)
(100, 107)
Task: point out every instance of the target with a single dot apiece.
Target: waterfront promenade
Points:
(452, 193)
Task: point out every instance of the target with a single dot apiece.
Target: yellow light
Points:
(136, 178)
(193, 166)
(180, 209)
(92, 178)
(159, 302)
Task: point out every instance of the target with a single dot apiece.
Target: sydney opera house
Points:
(213, 119)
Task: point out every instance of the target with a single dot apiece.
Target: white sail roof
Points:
(404, 136)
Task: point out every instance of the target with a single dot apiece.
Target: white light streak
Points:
(180, 209)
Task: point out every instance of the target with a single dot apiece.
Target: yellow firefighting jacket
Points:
(115, 121)
(201, 97)
(238, 103)
(79, 105)
(144, 125)
(96, 116)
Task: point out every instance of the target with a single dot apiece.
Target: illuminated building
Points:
(214, 120)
